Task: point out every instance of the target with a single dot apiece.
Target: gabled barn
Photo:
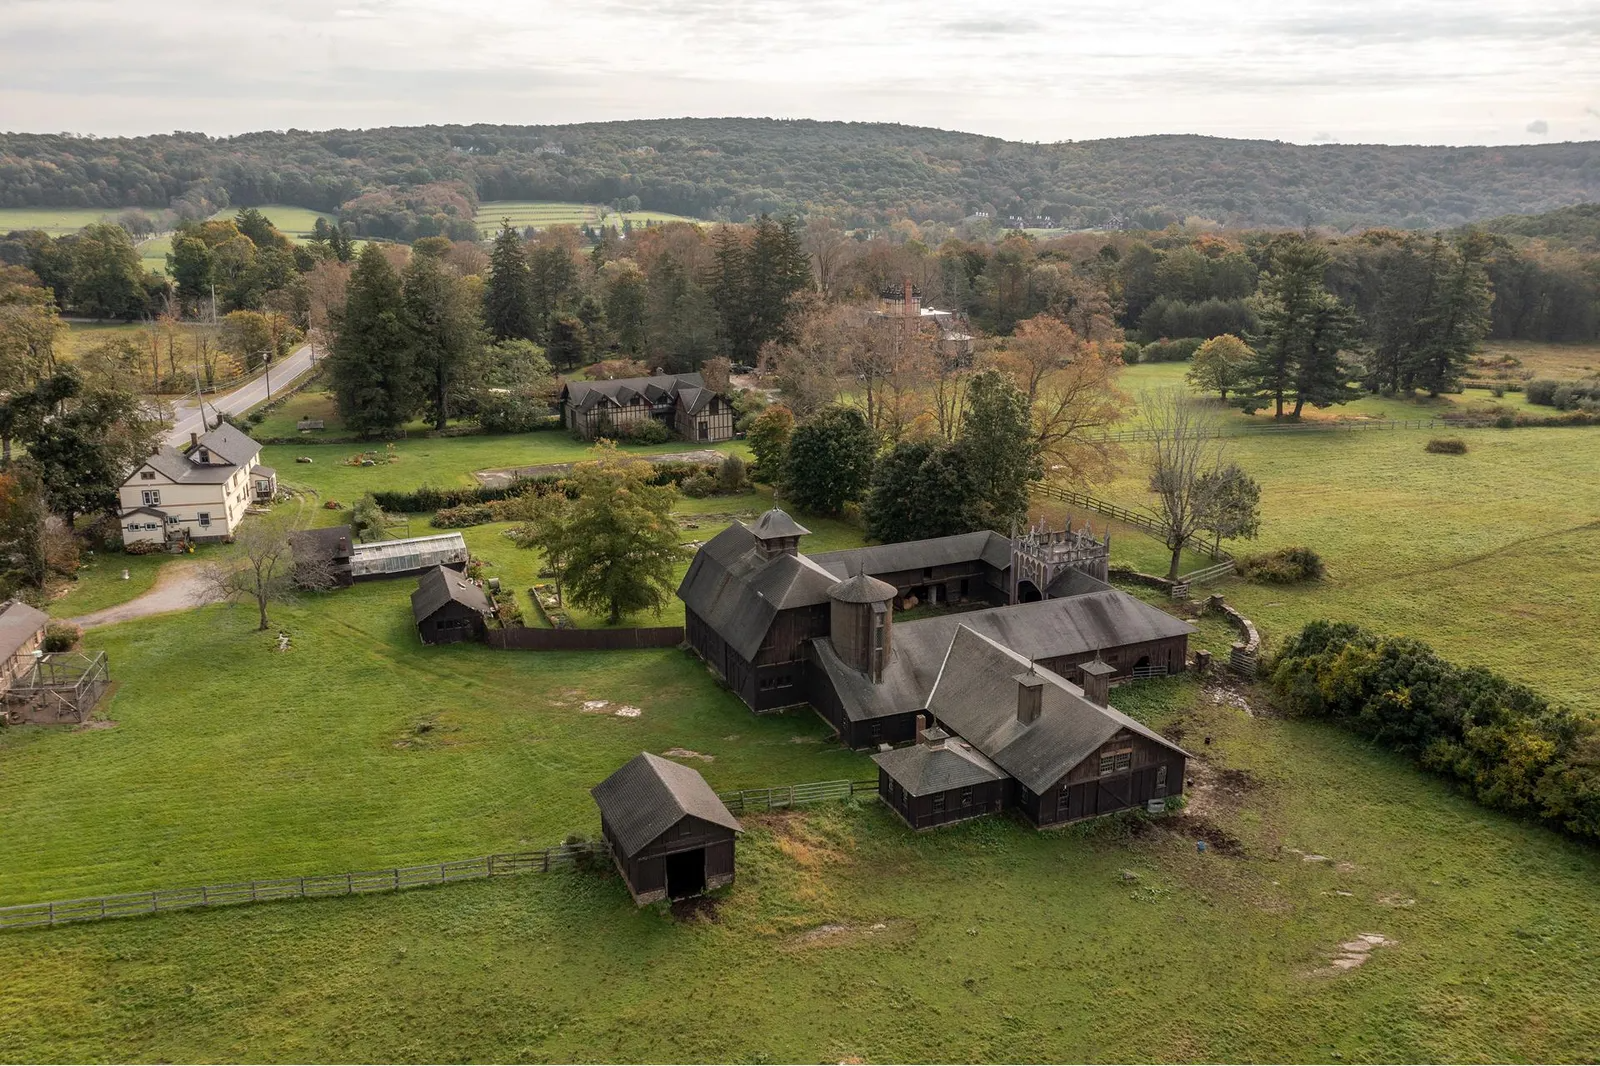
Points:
(449, 608)
(670, 835)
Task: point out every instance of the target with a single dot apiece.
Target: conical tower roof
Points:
(776, 524)
(863, 588)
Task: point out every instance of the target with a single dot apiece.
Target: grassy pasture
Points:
(846, 935)
(542, 213)
(55, 221)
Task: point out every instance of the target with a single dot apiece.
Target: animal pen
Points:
(61, 687)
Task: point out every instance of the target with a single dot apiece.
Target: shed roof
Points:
(984, 545)
(923, 769)
(649, 795)
(442, 585)
(975, 696)
(329, 542)
(738, 591)
(19, 623)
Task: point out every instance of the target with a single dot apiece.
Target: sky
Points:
(1386, 71)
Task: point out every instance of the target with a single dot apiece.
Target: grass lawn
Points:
(55, 221)
(542, 213)
(846, 936)
(99, 582)
(81, 336)
(294, 222)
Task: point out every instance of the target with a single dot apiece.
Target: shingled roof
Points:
(938, 766)
(985, 545)
(737, 590)
(655, 389)
(19, 623)
(225, 442)
(975, 696)
(439, 586)
(650, 795)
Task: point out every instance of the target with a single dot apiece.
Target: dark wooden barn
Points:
(449, 607)
(670, 835)
(940, 779)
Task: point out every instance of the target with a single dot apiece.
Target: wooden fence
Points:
(1342, 425)
(767, 799)
(1222, 562)
(130, 904)
(528, 638)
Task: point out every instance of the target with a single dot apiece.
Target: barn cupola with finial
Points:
(859, 622)
(777, 534)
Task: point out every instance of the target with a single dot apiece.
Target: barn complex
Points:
(783, 628)
(670, 835)
(449, 608)
(1010, 735)
(603, 408)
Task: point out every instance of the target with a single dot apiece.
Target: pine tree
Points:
(1303, 329)
(730, 284)
(922, 489)
(445, 331)
(1459, 318)
(1001, 448)
(508, 297)
(372, 366)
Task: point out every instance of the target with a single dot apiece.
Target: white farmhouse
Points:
(199, 493)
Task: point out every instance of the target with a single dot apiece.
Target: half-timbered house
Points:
(607, 408)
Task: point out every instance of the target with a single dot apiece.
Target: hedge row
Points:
(1499, 740)
(428, 498)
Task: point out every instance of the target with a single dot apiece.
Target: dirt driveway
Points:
(178, 587)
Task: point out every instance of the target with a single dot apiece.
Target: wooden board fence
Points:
(767, 799)
(528, 638)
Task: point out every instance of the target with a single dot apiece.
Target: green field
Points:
(542, 213)
(55, 221)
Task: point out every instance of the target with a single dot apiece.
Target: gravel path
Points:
(179, 586)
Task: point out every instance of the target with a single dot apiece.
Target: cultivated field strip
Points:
(394, 879)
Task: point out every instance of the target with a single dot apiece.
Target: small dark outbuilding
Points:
(448, 607)
(940, 779)
(670, 835)
(322, 556)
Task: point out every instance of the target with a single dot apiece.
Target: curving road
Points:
(186, 412)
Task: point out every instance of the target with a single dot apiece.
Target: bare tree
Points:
(1185, 459)
(263, 566)
(827, 245)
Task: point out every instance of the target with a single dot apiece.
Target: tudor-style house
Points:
(607, 408)
(199, 493)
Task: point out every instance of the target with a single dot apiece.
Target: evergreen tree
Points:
(829, 460)
(508, 297)
(1459, 318)
(730, 294)
(1303, 329)
(552, 281)
(372, 366)
(568, 346)
(441, 317)
(1000, 447)
(922, 489)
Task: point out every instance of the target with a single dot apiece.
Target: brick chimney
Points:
(1097, 682)
(194, 439)
(922, 725)
(1030, 696)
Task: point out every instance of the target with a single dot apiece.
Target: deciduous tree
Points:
(829, 460)
(1220, 364)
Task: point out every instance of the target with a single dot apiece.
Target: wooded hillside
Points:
(859, 173)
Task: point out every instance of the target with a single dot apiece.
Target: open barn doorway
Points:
(686, 873)
(1028, 592)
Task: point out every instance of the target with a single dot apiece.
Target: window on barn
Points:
(938, 803)
(875, 732)
(1115, 760)
(1062, 801)
(966, 797)
(1161, 776)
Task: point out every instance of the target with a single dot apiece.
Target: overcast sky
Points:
(1457, 72)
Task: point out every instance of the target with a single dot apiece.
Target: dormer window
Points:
(147, 475)
(205, 455)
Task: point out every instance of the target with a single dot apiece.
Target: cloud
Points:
(1539, 126)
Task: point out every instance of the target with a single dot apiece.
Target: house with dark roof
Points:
(449, 607)
(669, 834)
(22, 629)
(1009, 734)
(783, 628)
(199, 493)
(607, 408)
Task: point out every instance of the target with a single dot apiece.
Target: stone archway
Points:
(1028, 592)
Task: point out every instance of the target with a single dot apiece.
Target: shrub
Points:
(1562, 397)
(60, 636)
(1130, 352)
(143, 547)
(1165, 351)
(1446, 446)
(731, 478)
(468, 514)
(1505, 421)
(1541, 391)
(648, 431)
(1285, 566)
(699, 485)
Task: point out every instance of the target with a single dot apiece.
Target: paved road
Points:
(179, 586)
(186, 413)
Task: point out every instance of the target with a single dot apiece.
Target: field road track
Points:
(179, 587)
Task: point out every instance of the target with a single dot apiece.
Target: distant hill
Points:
(860, 173)
(1566, 227)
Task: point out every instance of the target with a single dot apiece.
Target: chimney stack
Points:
(1097, 682)
(194, 439)
(922, 725)
(1030, 696)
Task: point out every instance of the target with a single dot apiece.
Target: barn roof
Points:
(442, 585)
(775, 524)
(985, 545)
(19, 623)
(975, 696)
(650, 794)
(938, 766)
(863, 588)
(586, 394)
(1046, 629)
(737, 591)
(328, 542)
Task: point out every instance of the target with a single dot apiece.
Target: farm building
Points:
(449, 608)
(324, 553)
(39, 687)
(21, 635)
(603, 408)
(783, 628)
(670, 835)
(1011, 735)
(412, 555)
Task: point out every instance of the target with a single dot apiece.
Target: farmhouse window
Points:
(938, 803)
(147, 475)
(205, 455)
(204, 517)
(151, 497)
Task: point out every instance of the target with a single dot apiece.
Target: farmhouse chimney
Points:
(922, 725)
(1097, 682)
(905, 289)
(194, 439)
(1030, 696)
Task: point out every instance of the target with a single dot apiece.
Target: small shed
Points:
(21, 637)
(670, 835)
(323, 556)
(449, 608)
(940, 779)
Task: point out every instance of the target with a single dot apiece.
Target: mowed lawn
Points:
(845, 937)
(542, 213)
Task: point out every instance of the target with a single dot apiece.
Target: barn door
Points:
(1114, 793)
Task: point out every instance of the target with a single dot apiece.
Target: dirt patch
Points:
(95, 723)
(685, 753)
(697, 909)
(1194, 827)
(620, 710)
(179, 586)
(499, 479)
(1236, 782)
(845, 934)
(1354, 953)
